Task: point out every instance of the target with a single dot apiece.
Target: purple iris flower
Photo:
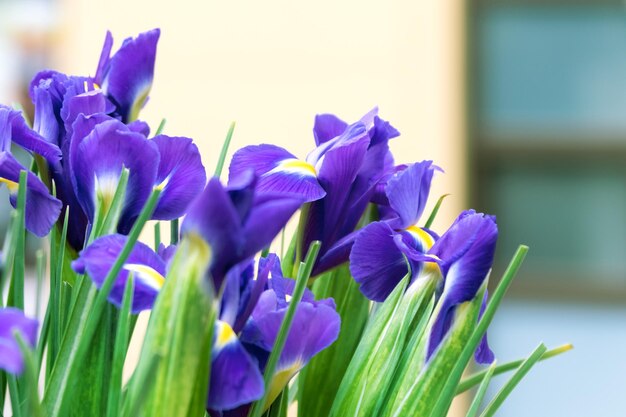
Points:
(126, 77)
(251, 316)
(377, 258)
(237, 221)
(42, 209)
(465, 253)
(12, 320)
(338, 178)
(148, 269)
(93, 122)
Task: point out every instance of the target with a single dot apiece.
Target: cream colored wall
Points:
(272, 65)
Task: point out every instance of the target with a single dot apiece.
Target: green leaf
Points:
(16, 291)
(119, 352)
(180, 331)
(174, 232)
(224, 151)
(476, 378)
(161, 127)
(30, 379)
(304, 273)
(448, 392)
(372, 368)
(157, 235)
(319, 381)
(415, 394)
(433, 214)
(504, 392)
(482, 390)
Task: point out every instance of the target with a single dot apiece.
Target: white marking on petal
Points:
(146, 275)
(294, 166)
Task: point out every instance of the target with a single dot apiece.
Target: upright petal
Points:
(235, 376)
(327, 127)
(96, 164)
(277, 171)
(42, 209)
(147, 267)
(13, 320)
(182, 174)
(407, 192)
(127, 79)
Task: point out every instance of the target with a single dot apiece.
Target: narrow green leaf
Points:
(141, 379)
(504, 392)
(482, 390)
(304, 273)
(433, 213)
(319, 381)
(157, 235)
(448, 392)
(40, 270)
(119, 352)
(14, 394)
(30, 378)
(174, 232)
(17, 276)
(224, 151)
(86, 316)
(161, 127)
(476, 378)
(114, 211)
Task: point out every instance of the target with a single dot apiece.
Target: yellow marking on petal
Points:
(146, 274)
(280, 380)
(296, 166)
(225, 334)
(11, 185)
(422, 236)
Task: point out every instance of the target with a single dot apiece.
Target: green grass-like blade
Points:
(433, 214)
(449, 389)
(86, 315)
(141, 379)
(161, 127)
(476, 378)
(119, 351)
(40, 270)
(482, 390)
(109, 225)
(504, 392)
(30, 378)
(157, 235)
(174, 232)
(304, 272)
(222, 158)
(19, 243)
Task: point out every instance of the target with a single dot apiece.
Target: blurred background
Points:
(522, 102)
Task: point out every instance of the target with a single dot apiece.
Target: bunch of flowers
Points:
(366, 312)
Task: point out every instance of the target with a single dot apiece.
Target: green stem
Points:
(224, 151)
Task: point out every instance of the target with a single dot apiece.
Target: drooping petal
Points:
(466, 251)
(327, 127)
(97, 160)
(13, 128)
(182, 173)
(235, 376)
(127, 79)
(483, 353)
(139, 126)
(147, 267)
(13, 320)
(166, 252)
(269, 214)
(105, 56)
(376, 263)
(277, 170)
(42, 209)
(213, 217)
(407, 192)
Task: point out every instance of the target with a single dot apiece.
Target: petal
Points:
(277, 171)
(327, 127)
(97, 161)
(139, 127)
(376, 263)
(483, 353)
(105, 56)
(182, 173)
(269, 214)
(213, 217)
(166, 252)
(408, 192)
(147, 267)
(11, 320)
(128, 77)
(13, 128)
(87, 104)
(42, 209)
(235, 377)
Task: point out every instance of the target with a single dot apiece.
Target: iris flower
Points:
(338, 178)
(13, 320)
(42, 209)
